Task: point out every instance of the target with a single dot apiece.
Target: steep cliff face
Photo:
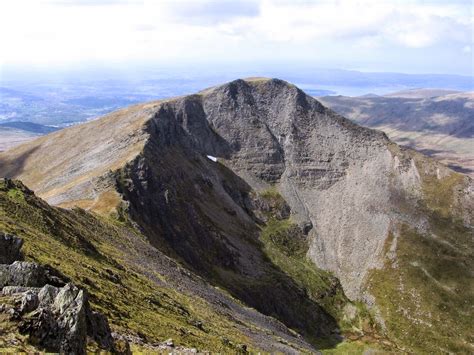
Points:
(349, 200)
(146, 296)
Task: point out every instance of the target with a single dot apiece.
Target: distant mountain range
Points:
(28, 127)
(422, 93)
(439, 123)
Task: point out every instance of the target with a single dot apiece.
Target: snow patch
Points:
(210, 157)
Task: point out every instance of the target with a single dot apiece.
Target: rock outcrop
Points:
(55, 318)
(356, 199)
(10, 247)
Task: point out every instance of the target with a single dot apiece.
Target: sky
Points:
(369, 35)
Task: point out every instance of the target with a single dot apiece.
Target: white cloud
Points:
(71, 31)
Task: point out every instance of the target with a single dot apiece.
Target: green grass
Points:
(16, 195)
(426, 295)
(92, 252)
(286, 247)
(426, 299)
(356, 348)
(440, 195)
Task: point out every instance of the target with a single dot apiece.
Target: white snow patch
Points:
(210, 157)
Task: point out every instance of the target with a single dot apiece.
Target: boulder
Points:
(10, 246)
(56, 316)
(29, 302)
(71, 327)
(47, 294)
(60, 320)
(22, 273)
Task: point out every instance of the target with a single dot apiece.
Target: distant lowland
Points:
(437, 122)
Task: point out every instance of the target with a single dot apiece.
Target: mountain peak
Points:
(225, 121)
(285, 170)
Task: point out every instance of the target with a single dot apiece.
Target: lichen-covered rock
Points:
(71, 328)
(98, 329)
(56, 319)
(22, 273)
(59, 319)
(47, 294)
(29, 302)
(13, 290)
(10, 246)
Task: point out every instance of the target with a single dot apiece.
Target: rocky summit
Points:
(247, 217)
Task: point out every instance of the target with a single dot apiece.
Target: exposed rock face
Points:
(28, 274)
(10, 246)
(22, 273)
(349, 189)
(336, 176)
(55, 324)
(57, 319)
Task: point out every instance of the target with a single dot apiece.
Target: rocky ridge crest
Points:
(356, 196)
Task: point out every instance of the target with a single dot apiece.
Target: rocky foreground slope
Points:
(297, 194)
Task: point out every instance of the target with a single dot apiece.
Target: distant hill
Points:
(440, 126)
(421, 93)
(11, 137)
(29, 127)
(17, 132)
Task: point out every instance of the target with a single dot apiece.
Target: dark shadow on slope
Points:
(461, 169)
(180, 201)
(11, 168)
(197, 211)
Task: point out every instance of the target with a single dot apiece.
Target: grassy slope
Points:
(426, 293)
(286, 247)
(93, 253)
(424, 297)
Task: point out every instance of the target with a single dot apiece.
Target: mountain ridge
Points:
(348, 191)
(440, 126)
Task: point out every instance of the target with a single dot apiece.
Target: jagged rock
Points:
(47, 294)
(57, 319)
(29, 302)
(98, 329)
(10, 246)
(22, 273)
(12, 290)
(71, 303)
(62, 320)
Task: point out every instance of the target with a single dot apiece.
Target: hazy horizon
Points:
(70, 36)
(67, 61)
